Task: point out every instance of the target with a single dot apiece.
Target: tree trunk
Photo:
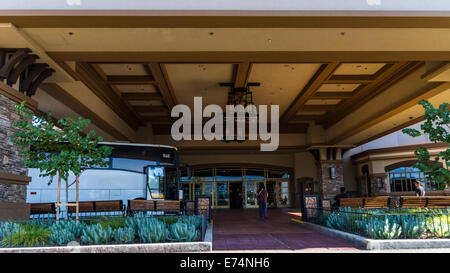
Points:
(58, 199)
(77, 206)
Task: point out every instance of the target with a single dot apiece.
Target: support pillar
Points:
(13, 175)
(330, 170)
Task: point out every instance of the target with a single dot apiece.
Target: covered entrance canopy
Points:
(342, 75)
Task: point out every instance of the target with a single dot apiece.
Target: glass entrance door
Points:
(222, 196)
(271, 187)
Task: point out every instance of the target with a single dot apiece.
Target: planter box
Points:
(371, 244)
(205, 246)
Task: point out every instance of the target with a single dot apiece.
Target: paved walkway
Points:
(241, 229)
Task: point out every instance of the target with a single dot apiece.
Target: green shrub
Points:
(439, 225)
(30, 236)
(168, 220)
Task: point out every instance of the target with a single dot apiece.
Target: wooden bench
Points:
(109, 205)
(42, 208)
(353, 203)
(438, 202)
(379, 202)
(84, 206)
(167, 206)
(413, 202)
(141, 205)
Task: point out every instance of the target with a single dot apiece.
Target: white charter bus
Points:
(135, 171)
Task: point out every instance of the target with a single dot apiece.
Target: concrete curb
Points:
(205, 246)
(381, 244)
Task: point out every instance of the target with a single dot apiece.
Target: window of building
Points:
(403, 178)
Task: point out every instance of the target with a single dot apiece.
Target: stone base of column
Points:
(14, 211)
(13, 194)
(329, 187)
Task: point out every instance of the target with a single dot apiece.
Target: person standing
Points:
(262, 196)
(420, 191)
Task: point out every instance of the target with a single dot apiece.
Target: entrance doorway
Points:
(236, 195)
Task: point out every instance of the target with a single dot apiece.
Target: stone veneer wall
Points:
(328, 188)
(11, 161)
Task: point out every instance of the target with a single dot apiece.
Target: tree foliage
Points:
(437, 127)
(63, 149)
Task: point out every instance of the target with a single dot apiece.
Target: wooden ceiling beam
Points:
(395, 73)
(113, 100)
(297, 128)
(165, 88)
(151, 109)
(247, 56)
(242, 74)
(64, 97)
(332, 95)
(139, 96)
(430, 90)
(322, 74)
(158, 119)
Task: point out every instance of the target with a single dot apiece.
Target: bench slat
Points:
(141, 205)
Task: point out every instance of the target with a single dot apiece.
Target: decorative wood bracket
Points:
(17, 64)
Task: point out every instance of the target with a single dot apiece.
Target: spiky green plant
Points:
(194, 220)
(63, 232)
(182, 232)
(7, 228)
(150, 230)
(386, 228)
(124, 235)
(96, 234)
(413, 226)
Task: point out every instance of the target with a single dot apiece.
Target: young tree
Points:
(58, 150)
(437, 127)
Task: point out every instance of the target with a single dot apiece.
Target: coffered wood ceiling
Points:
(319, 92)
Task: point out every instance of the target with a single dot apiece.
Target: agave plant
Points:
(345, 219)
(387, 228)
(7, 228)
(194, 220)
(413, 226)
(96, 234)
(182, 232)
(124, 235)
(150, 230)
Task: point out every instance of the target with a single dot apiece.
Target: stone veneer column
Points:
(328, 187)
(13, 176)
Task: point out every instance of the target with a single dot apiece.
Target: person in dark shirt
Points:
(337, 198)
(420, 191)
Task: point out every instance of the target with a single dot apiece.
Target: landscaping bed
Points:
(386, 224)
(137, 229)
